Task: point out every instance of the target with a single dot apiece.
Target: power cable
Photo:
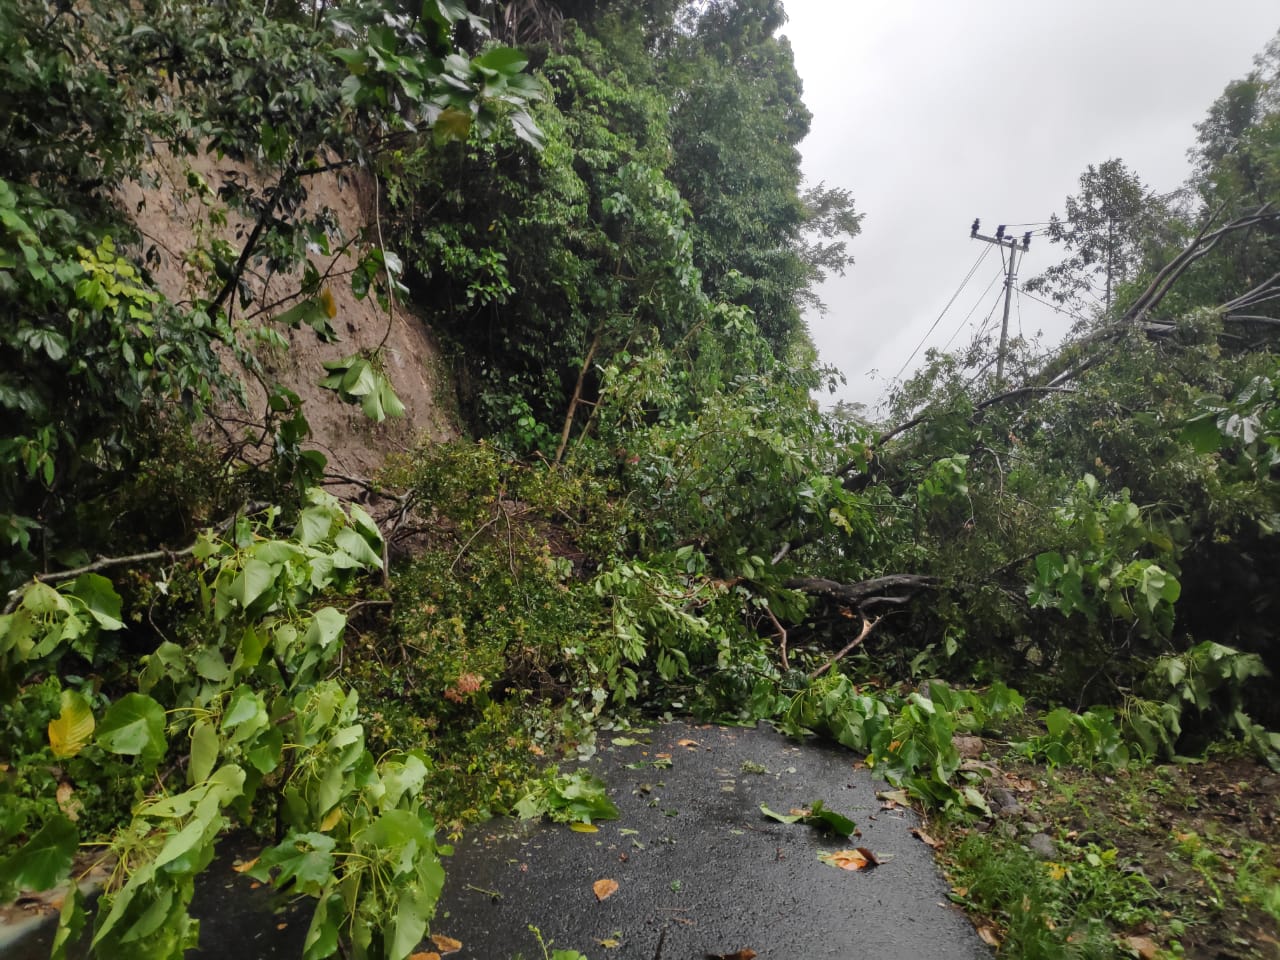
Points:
(963, 283)
(1054, 307)
(990, 313)
(972, 310)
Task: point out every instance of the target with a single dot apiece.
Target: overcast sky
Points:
(933, 113)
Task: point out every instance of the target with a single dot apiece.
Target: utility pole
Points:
(1002, 241)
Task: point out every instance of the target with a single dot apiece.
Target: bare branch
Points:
(867, 627)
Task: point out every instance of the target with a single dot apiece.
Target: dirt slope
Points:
(174, 213)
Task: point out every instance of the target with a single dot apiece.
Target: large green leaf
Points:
(100, 598)
(254, 579)
(325, 627)
(304, 860)
(42, 861)
(357, 547)
(134, 726)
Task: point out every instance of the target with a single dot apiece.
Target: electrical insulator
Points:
(973, 231)
(1000, 232)
(1026, 240)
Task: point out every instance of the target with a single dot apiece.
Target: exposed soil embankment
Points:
(178, 215)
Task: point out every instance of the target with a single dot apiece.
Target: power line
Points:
(1054, 307)
(968, 276)
(976, 303)
(990, 313)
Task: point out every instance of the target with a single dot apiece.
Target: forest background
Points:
(597, 208)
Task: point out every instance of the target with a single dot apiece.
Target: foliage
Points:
(248, 723)
(1196, 697)
(570, 798)
(907, 738)
(816, 815)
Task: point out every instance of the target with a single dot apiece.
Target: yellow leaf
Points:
(691, 744)
(327, 301)
(446, 944)
(584, 828)
(331, 821)
(604, 889)
(989, 936)
(246, 866)
(610, 943)
(71, 730)
(428, 955)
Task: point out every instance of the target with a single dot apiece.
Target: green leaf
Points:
(451, 125)
(414, 907)
(245, 714)
(314, 524)
(254, 579)
(325, 627)
(314, 311)
(303, 860)
(40, 598)
(355, 546)
(205, 746)
(71, 922)
(42, 861)
(503, 60)
(100, 598)
(134, 726)
(1202, 433)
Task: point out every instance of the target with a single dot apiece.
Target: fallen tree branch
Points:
(867, 627)
(876, 591)
(106, 563)
(782, 635)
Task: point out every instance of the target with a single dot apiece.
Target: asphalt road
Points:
(701, 871)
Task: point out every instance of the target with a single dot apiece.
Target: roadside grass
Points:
(1149, 861)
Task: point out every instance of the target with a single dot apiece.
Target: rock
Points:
(1004, 803)
(968, 747)
(1042, 845)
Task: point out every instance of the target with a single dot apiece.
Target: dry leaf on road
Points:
(446, 944)
(604, 889)
(859, 858)
(924, 838)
